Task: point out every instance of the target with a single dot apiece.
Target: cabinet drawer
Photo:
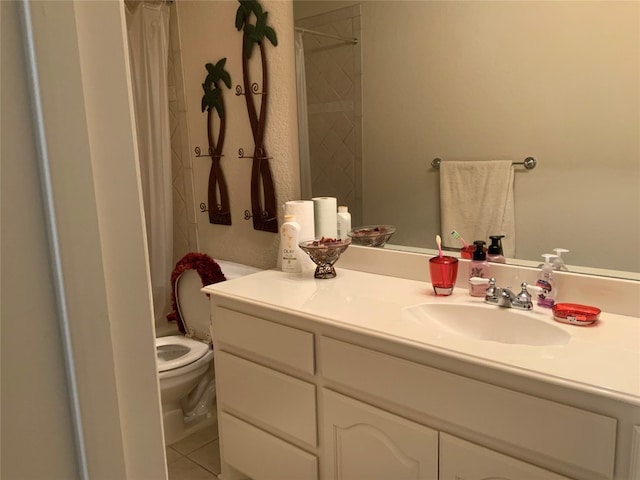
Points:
(583, 440)
(262, 456)
(272, 341)
(268, 398)
(464, 460)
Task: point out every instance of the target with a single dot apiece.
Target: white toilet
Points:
(185, 362)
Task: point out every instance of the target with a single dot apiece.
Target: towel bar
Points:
(529, 163)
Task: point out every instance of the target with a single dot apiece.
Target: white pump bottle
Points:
(547, 283)
(558, 262)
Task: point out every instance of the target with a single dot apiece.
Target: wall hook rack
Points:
(263, 215)
(198, 152)
(213, 103)
(255, 90)
(260, 157)
(263, 196)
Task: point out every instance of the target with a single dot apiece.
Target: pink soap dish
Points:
(575, 314)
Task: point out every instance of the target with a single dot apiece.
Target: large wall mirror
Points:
(558, 81)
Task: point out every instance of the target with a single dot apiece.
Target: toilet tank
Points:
(233, 270)
(193, 304)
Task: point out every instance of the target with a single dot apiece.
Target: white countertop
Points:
(603, 359)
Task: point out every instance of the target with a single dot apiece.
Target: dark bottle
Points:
(495, 249)
(479, 267)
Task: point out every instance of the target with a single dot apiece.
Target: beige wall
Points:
(451, 97)
(207, 34)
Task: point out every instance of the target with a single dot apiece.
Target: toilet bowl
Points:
(185, 362)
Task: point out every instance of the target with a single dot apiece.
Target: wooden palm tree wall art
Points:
(263, 198)
(213, 102)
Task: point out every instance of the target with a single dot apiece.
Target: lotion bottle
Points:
(289, 249)
(479, 267)
(344, 222)
(547, 283)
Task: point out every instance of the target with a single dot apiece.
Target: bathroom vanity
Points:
(341, 379)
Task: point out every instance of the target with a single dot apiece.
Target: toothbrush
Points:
(457, 236)
(439, 242)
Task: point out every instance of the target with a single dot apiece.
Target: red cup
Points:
(467, 252)
(443, 271)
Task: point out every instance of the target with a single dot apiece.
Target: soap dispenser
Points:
(495, 254)
(558, 262)
(478, 268)
(546, 298)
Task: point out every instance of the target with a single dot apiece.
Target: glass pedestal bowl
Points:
(371, 235)
(324, 253)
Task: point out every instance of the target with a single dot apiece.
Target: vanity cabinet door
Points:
(365, 443)
(634, 468)
(461, 460)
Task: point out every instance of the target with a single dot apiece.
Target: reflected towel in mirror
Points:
(476, 199)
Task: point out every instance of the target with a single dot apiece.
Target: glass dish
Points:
(324, 252)
(371, 235)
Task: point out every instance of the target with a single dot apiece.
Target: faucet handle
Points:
(523, 299)
(492, 291)
(531, 288)
(491, 294)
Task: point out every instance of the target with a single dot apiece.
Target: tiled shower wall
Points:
(334, 79)
(185, 228)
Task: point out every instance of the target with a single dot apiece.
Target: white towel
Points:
(476, 200)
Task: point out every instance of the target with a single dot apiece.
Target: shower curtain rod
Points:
(353, 41)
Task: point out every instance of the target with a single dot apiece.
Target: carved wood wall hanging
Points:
(213, 102)
(263, 197)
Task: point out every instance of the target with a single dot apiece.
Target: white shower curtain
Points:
(303, 125)
(148, 33)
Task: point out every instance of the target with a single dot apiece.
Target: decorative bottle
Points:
(289, 249)
(479, 267)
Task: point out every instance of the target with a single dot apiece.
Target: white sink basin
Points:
(488, 323)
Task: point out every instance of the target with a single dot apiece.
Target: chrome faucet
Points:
(504, 297)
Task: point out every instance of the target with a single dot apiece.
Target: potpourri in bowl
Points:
(371, 235)
(325, 252)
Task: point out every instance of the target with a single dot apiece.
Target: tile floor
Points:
(196, 457)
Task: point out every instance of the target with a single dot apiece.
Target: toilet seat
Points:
(177, 351)
(193, 305)
(188, 351)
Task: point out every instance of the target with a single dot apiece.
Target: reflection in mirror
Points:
(477, 81)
